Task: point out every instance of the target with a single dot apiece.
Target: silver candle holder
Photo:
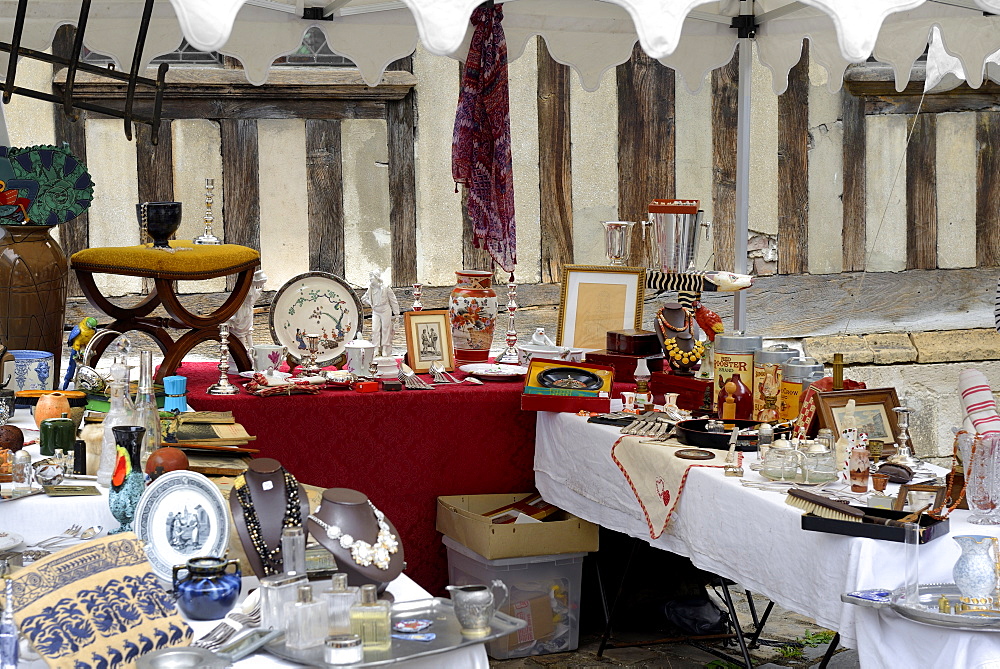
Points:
(209, 237)
(904, 452)
(510, 356)
(311, 368)
(418, 290)
(223, 386)
(618, 240)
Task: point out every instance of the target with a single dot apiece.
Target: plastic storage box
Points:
(544, 592)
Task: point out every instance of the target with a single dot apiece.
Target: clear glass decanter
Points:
(118, 414)
(147, 414)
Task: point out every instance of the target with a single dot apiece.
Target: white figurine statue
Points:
(241, 324)
(385, 309)
(539, 338)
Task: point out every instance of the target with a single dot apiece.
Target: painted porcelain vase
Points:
(975, 572)
(473, 314)
(128, 481)
(207, 591)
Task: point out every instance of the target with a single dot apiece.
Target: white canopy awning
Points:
(592, 36)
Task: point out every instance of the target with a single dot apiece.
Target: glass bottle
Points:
(8, 632)
(306, 620)
(293, 549)
(147, 414)
(118, 414)
(339, 600)
(370, 620)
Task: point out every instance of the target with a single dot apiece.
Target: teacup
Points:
(268, 357)
(360, 354)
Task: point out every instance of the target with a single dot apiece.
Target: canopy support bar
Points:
(742, 169)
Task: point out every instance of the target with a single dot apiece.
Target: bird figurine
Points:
(708, 320)
(79, 337)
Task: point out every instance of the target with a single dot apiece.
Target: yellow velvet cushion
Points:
(188, 261)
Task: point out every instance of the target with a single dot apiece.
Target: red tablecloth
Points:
(402, 449)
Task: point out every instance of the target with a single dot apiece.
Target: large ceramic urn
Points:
(33, 280)
(473, 314)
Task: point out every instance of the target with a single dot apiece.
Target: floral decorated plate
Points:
(279, 375)
(316, 303)
(9, 539)
(181, 515)
(489, 371)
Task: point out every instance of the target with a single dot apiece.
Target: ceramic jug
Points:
(206, 590)
(475, 606)
(975, 571)
(360, 354)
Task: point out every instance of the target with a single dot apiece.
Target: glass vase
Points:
(980, 455)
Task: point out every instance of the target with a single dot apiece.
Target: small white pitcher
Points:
(475, 606)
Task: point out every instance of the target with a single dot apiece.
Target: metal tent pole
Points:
(746, 33)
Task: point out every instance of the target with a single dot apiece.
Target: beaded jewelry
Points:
(271, 560)
(661, 319)
(955, 500)
(362, 552)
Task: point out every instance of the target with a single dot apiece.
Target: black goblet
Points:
(161, 220)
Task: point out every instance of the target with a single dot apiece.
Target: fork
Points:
(69, 533)
(411, 380)
(235, 621)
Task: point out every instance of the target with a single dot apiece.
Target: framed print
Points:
(428, 339)
(873, 411)
(914, 497)
(595, 299)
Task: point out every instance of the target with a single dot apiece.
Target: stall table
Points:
(753, 538)
(403, 449)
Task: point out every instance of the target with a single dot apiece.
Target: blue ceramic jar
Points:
(207, 591)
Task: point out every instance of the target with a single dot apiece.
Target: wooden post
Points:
(325, 190)
(555, 165)
(401, 129)
(921, 194)
(241, 185)
(793, 170)
(854, 197)
(725, 83)
(988, 192)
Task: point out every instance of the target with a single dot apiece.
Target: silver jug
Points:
(475, 606)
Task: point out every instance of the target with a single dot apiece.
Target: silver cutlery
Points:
(411, 380)
(70, 533)
(234, 622)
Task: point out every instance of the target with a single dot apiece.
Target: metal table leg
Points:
(614, 604)
(748, 663)
(830, 650)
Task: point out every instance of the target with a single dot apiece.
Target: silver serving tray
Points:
(445, 626)
(981, 621)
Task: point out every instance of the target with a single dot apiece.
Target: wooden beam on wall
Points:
(75, 235)
(854, 197)
(555, 165)
(325, 190)
(401, 128)
(921, 194)
(725, 82)
(988, 190)
(793, 170)
(646, 141)
(241, 185)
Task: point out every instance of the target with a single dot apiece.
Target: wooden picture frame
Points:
(873, 410)
(940, 494)
(597, 298)
(428, 339)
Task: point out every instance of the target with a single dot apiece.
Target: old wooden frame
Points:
(902, 498)
(882, 400)
(414, 352)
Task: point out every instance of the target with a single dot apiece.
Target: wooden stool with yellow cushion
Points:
(189, 262)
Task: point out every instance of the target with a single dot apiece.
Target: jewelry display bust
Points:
(263, 501)
(365, 544)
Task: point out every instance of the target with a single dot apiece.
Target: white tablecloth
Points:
(755, 539)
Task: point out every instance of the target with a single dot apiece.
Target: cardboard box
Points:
(538, 397)
(459, 517)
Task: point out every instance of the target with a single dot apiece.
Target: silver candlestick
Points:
(509, 356)
(417, 292)
(904, 452)
(209, 237)
(223, 386)
(311, 368)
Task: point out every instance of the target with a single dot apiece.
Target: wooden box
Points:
(692, 394)
(634, 342)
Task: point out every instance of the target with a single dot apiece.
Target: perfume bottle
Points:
(339, 600)
(370, 620)
(119, 413)
(306, 620)
(293, 549)
(8, 631)
(147, 414)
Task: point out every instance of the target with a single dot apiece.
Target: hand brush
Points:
(824, 507)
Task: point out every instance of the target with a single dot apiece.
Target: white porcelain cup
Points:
(268, 357)
(359, 356)
(31, 370)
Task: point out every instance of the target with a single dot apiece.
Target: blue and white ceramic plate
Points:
(181, 515)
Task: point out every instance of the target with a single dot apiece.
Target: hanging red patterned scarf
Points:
(480, 150)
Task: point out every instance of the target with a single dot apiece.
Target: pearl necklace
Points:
(363, 552)
(271, 559)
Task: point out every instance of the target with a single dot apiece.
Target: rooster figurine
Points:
(79, 337)
(708, 320)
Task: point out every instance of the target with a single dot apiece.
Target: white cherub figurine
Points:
(541, 339)
(385, 309)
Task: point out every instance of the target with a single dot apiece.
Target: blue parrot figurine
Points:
(79, 337)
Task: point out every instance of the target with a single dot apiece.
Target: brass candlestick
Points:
(223, 386)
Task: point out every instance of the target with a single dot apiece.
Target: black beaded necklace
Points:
(271, 559)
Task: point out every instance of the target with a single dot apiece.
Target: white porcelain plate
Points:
(182, 515)
(489, 371)
(9, 539)
(280, 375)
(315, 303)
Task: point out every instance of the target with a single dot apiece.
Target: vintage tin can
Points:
(734, 355)
(797, 374)
(767, 380)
